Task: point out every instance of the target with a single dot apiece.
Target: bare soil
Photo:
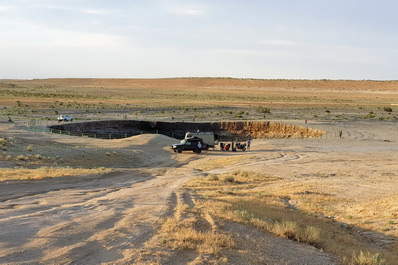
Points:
(114, 218)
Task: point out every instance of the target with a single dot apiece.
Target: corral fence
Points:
(331, 131)
(45, 126)
(92, 135)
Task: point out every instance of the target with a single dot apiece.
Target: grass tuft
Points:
(367, 259)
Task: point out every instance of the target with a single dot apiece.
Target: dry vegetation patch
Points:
(192, 228)
(213, 163)
(228, 98)
(47, 172)
(248, 197)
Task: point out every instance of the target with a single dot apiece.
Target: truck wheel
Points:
(198, 151)
(179, 150)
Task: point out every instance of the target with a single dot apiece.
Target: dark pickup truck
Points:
(190, 144)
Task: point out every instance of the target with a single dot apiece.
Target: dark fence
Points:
(88, 134)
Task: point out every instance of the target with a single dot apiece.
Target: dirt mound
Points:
(257, 129)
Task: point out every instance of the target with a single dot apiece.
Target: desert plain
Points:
(80, 200)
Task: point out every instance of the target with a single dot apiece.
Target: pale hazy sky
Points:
(304, 39)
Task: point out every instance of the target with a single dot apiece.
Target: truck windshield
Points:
(183, 141)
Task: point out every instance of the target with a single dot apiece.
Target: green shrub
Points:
(369, 116)
(387, 109)
(263, 110)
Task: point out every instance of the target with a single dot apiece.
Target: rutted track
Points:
(105, 217)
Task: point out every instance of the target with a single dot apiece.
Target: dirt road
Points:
(113, 219)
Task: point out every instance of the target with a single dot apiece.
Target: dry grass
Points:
(197, 91)
(204, 98)
(292, 230)
(31, 158)
(378, 214)
(367, 259)
(221, 162)
(46, 172)
(251, 199)
(4, 144)
(182, 235)
(187, 230)
(271, 130)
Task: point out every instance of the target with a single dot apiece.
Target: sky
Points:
(268, 39)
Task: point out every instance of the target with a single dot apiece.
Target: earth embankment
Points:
(236, 130)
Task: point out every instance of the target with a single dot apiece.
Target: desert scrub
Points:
(213, 178)
(369, 116)
(252, 200)
(367, 259)
(229, 179)
(387, 109)
(263, 110)
(5, 143)
(47, 172)
(22, 158)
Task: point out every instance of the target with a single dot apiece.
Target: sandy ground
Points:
(113, 219)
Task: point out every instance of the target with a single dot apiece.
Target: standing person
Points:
(341, 133)
(248, 144)
(199, 149)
